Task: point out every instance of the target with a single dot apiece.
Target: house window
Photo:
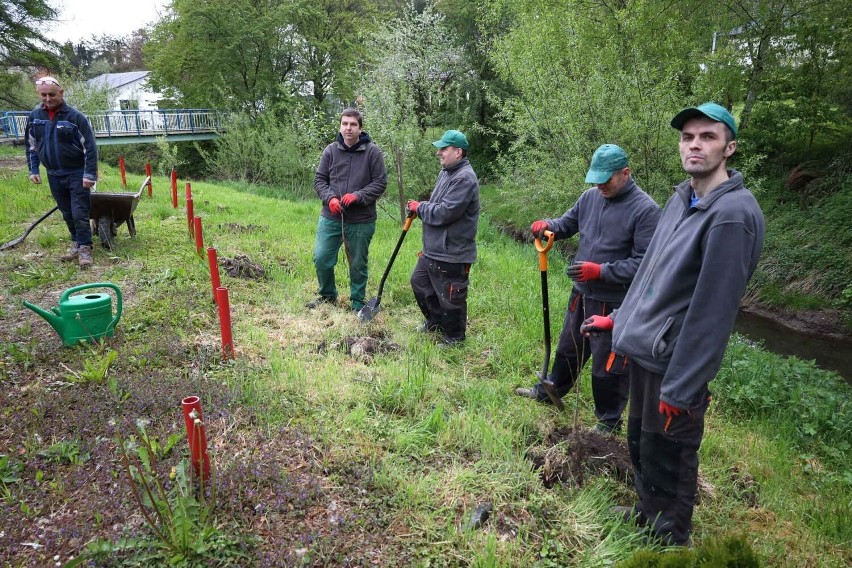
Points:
(129, 105)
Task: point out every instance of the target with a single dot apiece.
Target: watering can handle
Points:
(118, 303)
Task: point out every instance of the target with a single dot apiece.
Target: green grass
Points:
(421, 435)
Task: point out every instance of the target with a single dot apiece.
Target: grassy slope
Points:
(427, 433)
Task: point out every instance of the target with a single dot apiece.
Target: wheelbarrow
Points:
(110, 210)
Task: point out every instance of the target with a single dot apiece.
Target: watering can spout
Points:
(54, 320)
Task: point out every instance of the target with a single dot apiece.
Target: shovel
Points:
(19, 240)
(546, 383)
(372, 307)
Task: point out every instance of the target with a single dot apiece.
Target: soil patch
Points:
(824, 323)
(241, 266)
(237, 228)
(570, 456)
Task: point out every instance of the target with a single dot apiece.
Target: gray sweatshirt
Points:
(451, 215)
(359, 170)
(613, 233)
(679, 313)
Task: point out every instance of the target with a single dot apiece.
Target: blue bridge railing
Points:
(125, 123)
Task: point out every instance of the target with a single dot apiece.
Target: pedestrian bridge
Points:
(134, 126)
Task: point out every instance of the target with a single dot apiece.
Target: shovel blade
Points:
(550, 389)
(12, 243)
(369, 310)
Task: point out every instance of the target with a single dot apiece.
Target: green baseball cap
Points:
(452, 138)
(709, 110)
(607, 159)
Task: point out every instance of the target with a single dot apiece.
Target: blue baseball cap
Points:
(709, 110)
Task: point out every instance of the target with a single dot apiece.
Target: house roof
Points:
(117, 80)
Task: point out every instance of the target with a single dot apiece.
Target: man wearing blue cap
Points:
(615, 220)
(450, 218)
(678, 315)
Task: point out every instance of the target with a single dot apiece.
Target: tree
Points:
(22, 45)
(420, 70)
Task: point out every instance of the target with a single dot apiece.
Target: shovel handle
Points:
(543, 249)
(408, 220)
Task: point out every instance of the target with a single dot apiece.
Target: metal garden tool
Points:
(19, 240)
(372, 307)
(546, 383)
(83, 317)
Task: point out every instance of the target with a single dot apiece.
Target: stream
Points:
(829, 353)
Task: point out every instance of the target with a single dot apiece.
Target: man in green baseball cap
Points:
(675, 321)
(615, 220)
(450, 218)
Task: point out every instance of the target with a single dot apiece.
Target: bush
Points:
(269, 150)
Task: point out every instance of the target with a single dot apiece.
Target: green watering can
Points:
(83, 317)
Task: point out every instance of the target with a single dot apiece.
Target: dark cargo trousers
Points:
(440, 289)
(75, 203)
(609, 387)
(664, 454)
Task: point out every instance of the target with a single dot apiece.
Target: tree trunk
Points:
(754, 80)
(398, 153)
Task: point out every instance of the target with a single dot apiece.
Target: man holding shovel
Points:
(450, 219)
(616, 221)
(350, 178)
(60, 138)
(678, 316)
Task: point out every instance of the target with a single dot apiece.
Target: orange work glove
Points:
(348, 199)
(413, 205)
(669, 410)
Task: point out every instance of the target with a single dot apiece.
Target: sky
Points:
(81, 20)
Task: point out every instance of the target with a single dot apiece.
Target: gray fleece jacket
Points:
(613, 233)
(679, 313)
(451, 215)
(359, 170)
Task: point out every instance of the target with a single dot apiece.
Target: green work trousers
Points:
(356, 239)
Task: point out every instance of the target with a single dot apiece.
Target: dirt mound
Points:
(569, 456)
(237, 228)
(241, 266)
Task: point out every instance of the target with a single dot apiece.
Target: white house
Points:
(127, 91)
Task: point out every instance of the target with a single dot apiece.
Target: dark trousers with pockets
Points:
(609, 386)
(440, 289)
(665, 457)
(75, 203)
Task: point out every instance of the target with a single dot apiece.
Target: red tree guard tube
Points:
(123, 173)
(188, 191)
(225, 323)
(214, 271)
(196, 436)
(199, 239)
(148, 173)
(190, 215)
(174, 189)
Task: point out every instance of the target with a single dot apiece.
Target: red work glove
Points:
(669, 410)
(334, 205)
(538, 228)
(413, 205)
(348, 199)
(583, 271)
(596, 325)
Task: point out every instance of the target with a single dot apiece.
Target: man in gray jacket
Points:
(616, 221)
(350, 178)
(677, 318)
(450, 219)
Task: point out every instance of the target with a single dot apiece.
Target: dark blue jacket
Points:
(64, 145)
